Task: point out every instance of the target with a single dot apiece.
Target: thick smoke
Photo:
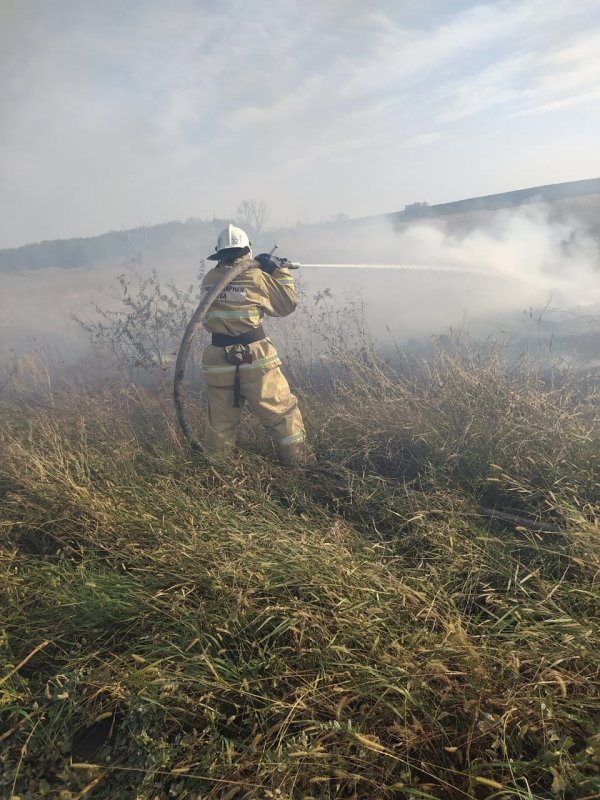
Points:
(503, 263)
(494, 267)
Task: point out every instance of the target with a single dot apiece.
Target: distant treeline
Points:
(169, 238)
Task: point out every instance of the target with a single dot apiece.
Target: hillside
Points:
(193, 238)
(168, 239)
(551, 194)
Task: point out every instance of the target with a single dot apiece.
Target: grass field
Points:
(363, 629)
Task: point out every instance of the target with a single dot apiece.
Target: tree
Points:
(253, 214)
(415, 210)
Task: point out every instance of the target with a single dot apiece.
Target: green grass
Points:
(360, 630)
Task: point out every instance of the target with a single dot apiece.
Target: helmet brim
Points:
(220, 254)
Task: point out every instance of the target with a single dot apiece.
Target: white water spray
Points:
(405, 267)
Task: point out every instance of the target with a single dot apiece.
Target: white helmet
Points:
(231, 238)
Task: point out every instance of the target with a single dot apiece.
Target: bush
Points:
(145, 332)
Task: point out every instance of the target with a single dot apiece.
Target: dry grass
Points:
(360, 630)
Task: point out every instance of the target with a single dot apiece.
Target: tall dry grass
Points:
(362, 629)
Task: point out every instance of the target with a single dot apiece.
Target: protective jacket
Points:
(240, 309)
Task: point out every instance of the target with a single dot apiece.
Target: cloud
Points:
(120, 115)
(422, 139)
(529, 83)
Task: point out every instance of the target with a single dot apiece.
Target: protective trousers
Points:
(269, 397)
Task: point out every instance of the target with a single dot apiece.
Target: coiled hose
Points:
(184, 350)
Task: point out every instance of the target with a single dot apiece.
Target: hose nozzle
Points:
(285, 261)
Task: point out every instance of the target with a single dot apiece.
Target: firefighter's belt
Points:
(238, 353)
(254, 335)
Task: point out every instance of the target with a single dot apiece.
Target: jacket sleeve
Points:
(279, 293)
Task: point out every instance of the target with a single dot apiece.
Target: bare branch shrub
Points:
(145, 331)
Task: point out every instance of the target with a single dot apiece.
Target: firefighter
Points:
(241, 364)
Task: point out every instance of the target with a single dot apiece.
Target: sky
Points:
(116, 115)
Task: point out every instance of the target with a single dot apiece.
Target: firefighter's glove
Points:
(269, 263)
